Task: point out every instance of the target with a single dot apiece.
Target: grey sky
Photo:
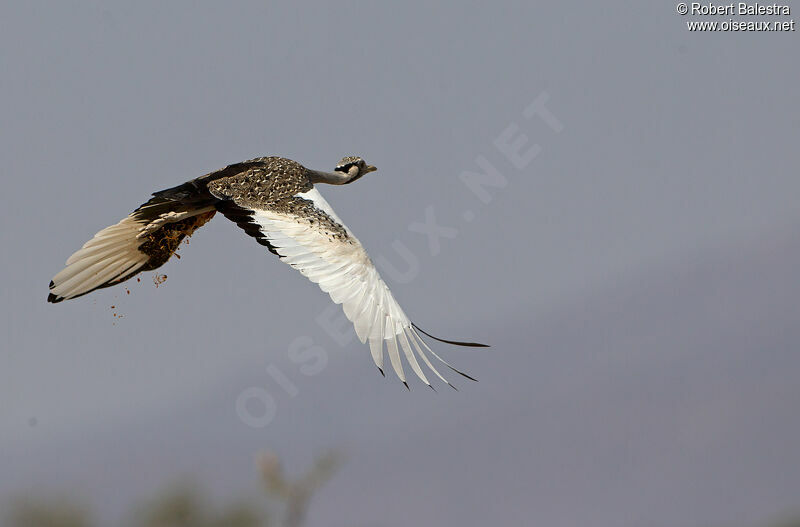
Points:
(648, 242)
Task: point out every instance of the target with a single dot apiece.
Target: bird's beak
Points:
(369, 168)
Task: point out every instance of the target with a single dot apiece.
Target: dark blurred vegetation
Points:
(284, 503)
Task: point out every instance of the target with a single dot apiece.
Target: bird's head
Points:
(354, 167)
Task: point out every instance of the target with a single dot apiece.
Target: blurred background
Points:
(606, 198)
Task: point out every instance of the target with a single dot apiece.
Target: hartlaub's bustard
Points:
(274, 200)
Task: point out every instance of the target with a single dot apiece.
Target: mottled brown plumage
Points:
(270, 179)
(162, 243)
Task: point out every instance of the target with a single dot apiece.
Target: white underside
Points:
(343, 269)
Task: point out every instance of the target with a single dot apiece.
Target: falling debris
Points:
(162, 243)
(159, 279)
(115, 314)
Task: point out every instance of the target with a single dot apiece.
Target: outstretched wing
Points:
(306, 233)
(145, 239)
(142, 241)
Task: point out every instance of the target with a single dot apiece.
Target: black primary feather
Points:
(453, 342)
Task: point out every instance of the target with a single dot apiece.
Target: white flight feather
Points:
(111, 254)
(342, 268)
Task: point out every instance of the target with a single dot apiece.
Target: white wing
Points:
(115, 253)
(342, 268)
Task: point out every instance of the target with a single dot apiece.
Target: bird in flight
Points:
(275, 201)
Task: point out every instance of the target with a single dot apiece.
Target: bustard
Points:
(274, 200)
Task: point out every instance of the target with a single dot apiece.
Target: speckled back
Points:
(272, 179)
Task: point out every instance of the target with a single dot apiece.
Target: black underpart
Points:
(453, 342)
(244, 219)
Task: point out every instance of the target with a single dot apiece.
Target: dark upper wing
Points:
(143, 240)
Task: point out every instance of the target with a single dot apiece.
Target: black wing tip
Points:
(53, 299)
(381, 370)
(453, 342)
(465, 375)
